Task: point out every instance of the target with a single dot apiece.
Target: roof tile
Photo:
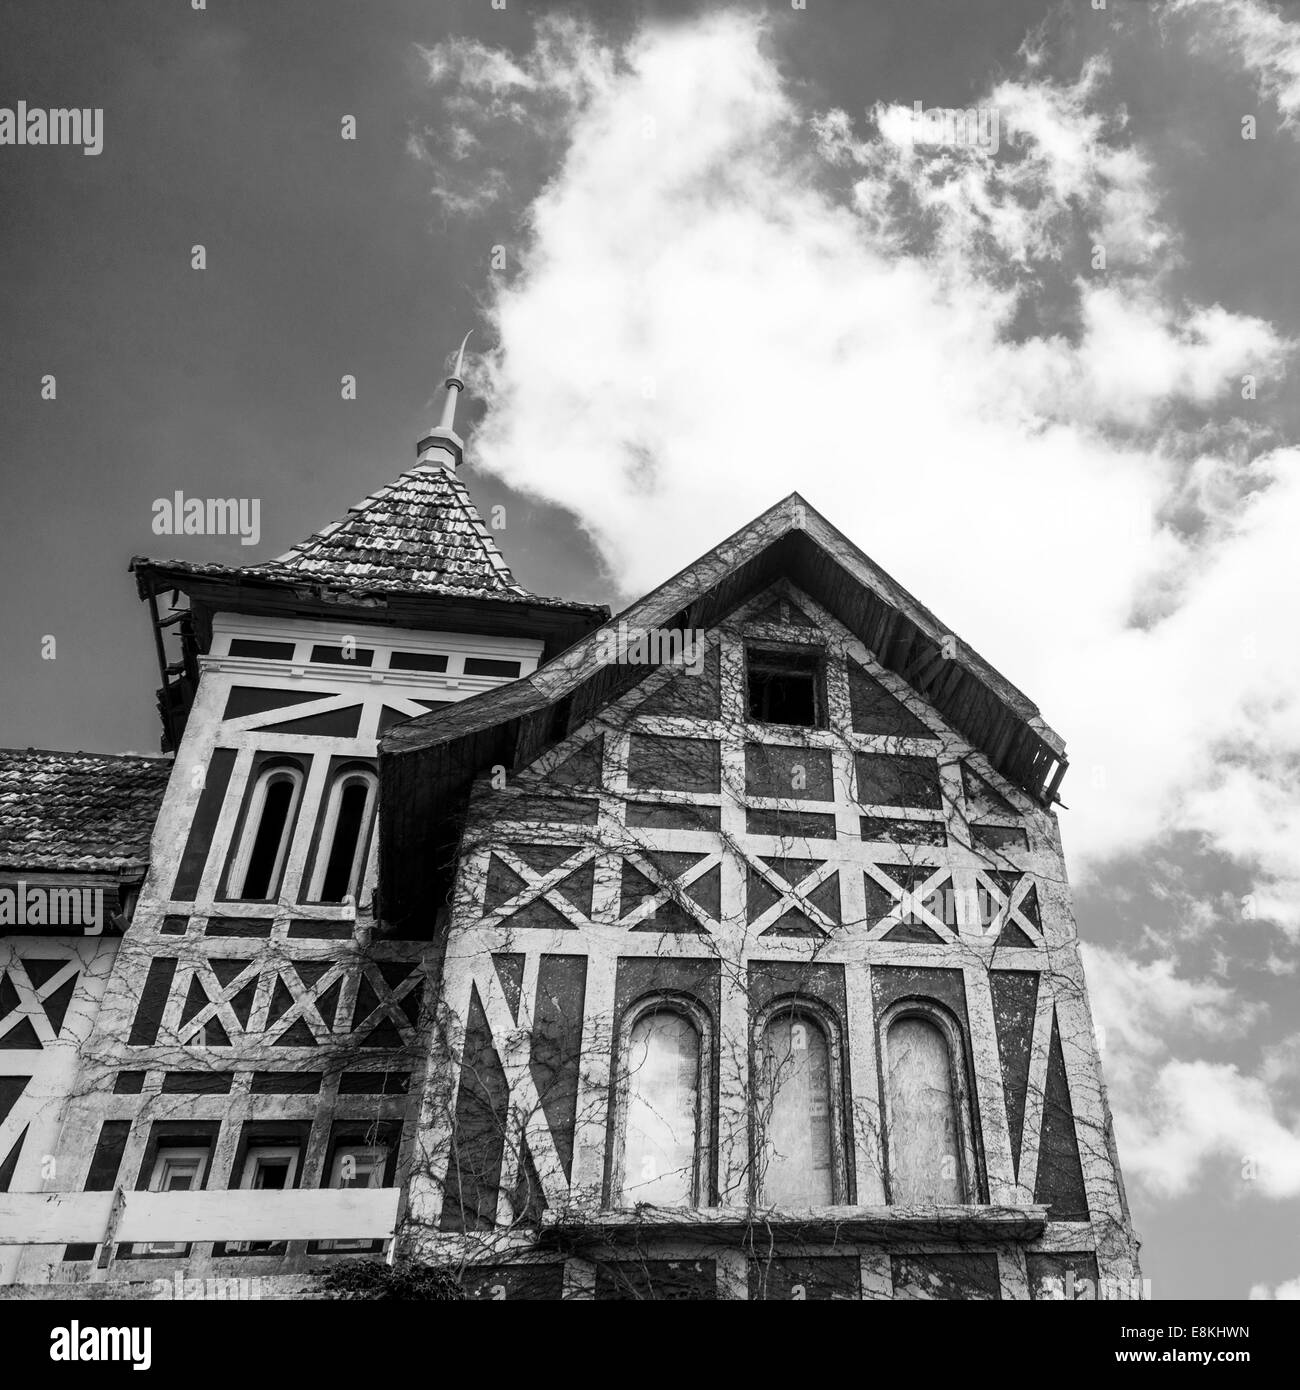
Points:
(78, 812)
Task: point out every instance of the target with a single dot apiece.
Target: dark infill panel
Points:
(489, 666)
(657, 815)
(1068, 1277)
(417, 661)
(321, 931)
(664, 1280)
(128, 1083)
(174, 926)
(886, 779)
(997, 837)
(267, 651)
(153, 1000)
(474, 1175)
(339, 656)
(800, 1280)
(197, 1083)
(285, 1083)
(801, 825)
(881, 829)
(1060, 1172)
(238, 926)
(334, 723)
(570, 810)
(963, 1275)
(374, 1083)
(496, 1283)
(104, 1168)
(787, 770)
(1015, 1002)
(674, 764)
(256, 699)
(204, 824)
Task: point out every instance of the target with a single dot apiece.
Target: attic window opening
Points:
(787, 687)
(490, 666)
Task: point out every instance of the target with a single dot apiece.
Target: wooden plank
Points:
(52, 1218)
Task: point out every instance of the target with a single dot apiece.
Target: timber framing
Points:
(428, 764)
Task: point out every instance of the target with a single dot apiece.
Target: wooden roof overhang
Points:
(427, 765)
(558, 623)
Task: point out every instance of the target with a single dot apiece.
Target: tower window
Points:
(787, 687)
(345, 832)
(268, 828)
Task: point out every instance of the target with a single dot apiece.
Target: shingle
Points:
(86, 812)
(419, 534)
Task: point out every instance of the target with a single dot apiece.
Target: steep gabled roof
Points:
(78, 812)
(427, 764)
(420, 534)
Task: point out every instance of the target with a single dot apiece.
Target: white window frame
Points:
(253, 823)
(378, 1155)
(167, 1157)
(248, 1182)
(329, 826)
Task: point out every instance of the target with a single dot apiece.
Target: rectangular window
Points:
(267, 651)
(341, 656)
(786, 687)
(488, 666)
(176, 1170)
(417, 661)
(356, 1165)
(267, 1167)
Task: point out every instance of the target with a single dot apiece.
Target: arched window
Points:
(662, 1116)
(797, 1120)
(268, 828)
(345, 833)
(928, 1135)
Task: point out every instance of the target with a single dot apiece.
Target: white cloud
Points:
(1179, 1121)
(1290, 1288)
(1265, 43)
(725, 296)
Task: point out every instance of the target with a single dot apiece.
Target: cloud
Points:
(1290, 1288)
(724, 295)
(1179, 1121)
(1259, 38)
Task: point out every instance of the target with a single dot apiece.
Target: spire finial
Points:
(442, 444)
(455, 384)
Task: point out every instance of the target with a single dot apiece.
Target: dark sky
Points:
(324, 257)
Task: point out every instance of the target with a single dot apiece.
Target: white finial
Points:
(455, 385)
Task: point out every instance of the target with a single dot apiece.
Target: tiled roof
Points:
(78, 812)
(420, 533)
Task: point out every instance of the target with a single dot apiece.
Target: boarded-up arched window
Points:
(926, 1161)
(661, 1119)
(795, 1114)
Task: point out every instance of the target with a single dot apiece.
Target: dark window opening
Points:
(267, 651)
(417, 661)
(343, 656)
(266, 847)
(786, 688)
(489, 666)
(343, 852)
